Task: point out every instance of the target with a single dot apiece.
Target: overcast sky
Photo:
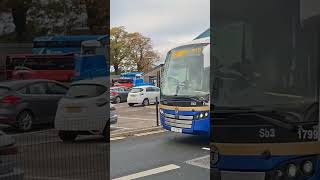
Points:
(166, 22)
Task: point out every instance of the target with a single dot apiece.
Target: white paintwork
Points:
(91, 118)
(137, 98)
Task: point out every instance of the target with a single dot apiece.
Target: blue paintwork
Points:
(90, 66)
(258, 164)
(199, 126)
(61, 40)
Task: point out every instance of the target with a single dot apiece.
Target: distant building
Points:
(154, 75)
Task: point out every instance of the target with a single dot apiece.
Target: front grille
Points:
(179, 121)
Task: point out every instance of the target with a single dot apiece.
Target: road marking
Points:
(119, 128)
(123, 117)
(34, 132)
(117, 138)
(205, 148)
(149, 172)
(203, 162)
(47, 178)
(148, 133)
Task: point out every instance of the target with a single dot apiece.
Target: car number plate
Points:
(73, 109)
(178, 130)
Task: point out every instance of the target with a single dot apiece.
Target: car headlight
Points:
(292, 170)
(307, 167)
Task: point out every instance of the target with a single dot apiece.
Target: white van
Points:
(144, 95)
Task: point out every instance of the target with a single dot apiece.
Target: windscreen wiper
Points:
(263, 115)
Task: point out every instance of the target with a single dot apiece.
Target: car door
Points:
(122, 93)
(38, 101)
(54, 93)
(150, 94)
(126, 93)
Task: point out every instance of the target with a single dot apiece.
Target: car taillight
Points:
(114, 93)
(10, 99)
(8, 150)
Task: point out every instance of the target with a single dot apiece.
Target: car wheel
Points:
(25, 120)
(131, 104)
(117, 100)
(67, 136)
(146, 102)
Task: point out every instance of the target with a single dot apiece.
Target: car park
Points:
(84, 110)
(144, 95)
(10, 168)
(25, 103)
(119, 94)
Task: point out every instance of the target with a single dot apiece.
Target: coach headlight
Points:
(201, 115)
(307, 167)
(292, 171)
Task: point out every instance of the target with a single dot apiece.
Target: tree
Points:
(19, 9)
(142, 53)
(57, 17)
(119, 50)
(98, 15)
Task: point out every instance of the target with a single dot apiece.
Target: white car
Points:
(144, 95)
(85, 110)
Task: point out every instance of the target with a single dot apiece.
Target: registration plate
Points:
(178, 130)
(227, 175)
(73, 109)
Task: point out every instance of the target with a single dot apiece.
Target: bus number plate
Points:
(178, 130)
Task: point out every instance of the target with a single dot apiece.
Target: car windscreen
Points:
(136, 90)
(85, 91)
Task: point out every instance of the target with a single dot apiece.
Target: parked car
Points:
(113, 114)
(119, 94)
(9, 166)
(84, 110)
(144, 95)
(25, 103)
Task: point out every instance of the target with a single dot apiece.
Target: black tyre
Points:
(131, 104)
(146, 102)
(67, 136)
(117, 100)
(25, 121)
